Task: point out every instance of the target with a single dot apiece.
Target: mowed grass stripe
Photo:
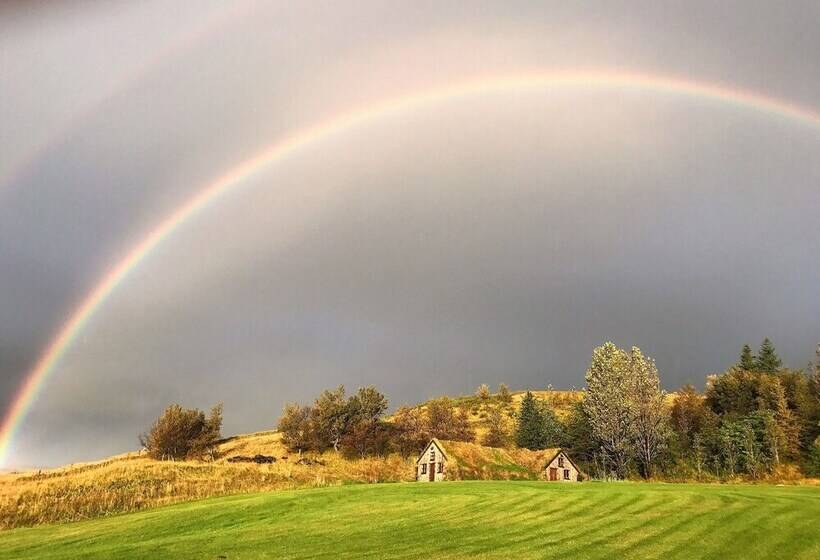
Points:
(475, 520)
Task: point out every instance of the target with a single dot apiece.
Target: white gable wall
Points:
(425, 461)
(565, 471)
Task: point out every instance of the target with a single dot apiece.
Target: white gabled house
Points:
(431, 466)
(559, 467)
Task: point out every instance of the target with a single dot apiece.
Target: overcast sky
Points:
(495, 238)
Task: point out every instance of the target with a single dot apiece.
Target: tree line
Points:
(749, 420)
(356, 425)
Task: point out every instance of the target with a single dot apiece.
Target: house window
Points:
(566, 474)
(432, 455)
(441, 467)
(561, 462)
(424, 468)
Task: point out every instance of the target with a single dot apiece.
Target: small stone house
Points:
(431, 466)
(559, 467)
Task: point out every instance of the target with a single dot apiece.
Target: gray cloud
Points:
(481, 240)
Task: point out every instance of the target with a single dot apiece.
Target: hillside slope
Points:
(454, 520)
(133, 481)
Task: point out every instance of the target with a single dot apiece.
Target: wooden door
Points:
(553, 473)
(432, 470)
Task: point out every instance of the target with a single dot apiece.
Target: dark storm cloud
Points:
(478, 241)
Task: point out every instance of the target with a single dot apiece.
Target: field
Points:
(453, 520)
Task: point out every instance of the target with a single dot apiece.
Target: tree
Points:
(733, 393)
(784, 437)
(504, 393)
(814, 376)
(330, 417)
(498, 433)
(365, 438)
(767, 359)
(295, 427)
(552, 431)
(687, 414)
(446, 423)
(411, 430)
(483, 392)
(650, 423)
(367, 405)
(695, 427)
(577, 434)
(747, 360)
(365, 433)
(608, 405)
(813, 459)
(183, 433)
(530, 432)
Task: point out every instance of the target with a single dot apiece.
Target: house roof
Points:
(426, 447)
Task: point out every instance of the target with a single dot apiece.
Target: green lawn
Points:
(454, 520)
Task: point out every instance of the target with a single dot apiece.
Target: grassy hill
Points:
(132, 482)
(453, 520)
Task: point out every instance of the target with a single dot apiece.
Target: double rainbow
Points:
(233, 178)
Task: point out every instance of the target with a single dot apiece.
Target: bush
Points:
(184, 433)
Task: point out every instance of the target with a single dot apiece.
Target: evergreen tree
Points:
(767, 359)
(552, 432)
(530, 430)
(747, 360)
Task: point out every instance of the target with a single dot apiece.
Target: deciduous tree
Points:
(295, 427)
(498, 431)
(608, 405)
(650, 422)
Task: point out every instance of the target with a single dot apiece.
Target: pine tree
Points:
(747, 360)
(552, 432)
(530, 431)
(767, 359)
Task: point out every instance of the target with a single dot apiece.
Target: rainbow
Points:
(301, 139)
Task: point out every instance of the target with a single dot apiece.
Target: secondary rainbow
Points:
(278, 151)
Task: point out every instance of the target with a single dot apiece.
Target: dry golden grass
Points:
(132, 481)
